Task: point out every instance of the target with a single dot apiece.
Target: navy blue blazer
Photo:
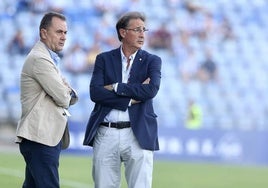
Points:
(108, 70)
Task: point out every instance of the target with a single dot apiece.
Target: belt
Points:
(118, 125)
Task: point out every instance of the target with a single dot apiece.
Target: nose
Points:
(142, 34)
(63, 37)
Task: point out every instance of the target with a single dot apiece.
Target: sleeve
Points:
(140, 91)
(99, 94)
(51, 81)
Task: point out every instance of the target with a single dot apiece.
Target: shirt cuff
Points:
(129, 104)
(115, 87)
(73, 95)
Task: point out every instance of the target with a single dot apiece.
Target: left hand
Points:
(109, 87)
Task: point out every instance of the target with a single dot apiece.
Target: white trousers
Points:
(115, 146)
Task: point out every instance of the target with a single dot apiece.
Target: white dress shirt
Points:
(117, 115)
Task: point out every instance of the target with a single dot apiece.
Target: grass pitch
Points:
(75, 172)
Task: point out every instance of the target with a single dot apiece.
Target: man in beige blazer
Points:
(45, 97)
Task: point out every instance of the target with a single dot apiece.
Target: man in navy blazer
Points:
(122, 126)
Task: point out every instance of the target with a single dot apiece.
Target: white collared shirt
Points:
(117, 115)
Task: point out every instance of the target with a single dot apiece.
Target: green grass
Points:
(75, 172)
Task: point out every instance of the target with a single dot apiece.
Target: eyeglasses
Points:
(138, 30)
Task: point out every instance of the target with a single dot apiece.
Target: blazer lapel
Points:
(137, 63)
(41, 47)
(136, 66)
(117, 65)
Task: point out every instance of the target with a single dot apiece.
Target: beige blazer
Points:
(44, 97)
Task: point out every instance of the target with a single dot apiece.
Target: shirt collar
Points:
(124, 58)
(54, 56)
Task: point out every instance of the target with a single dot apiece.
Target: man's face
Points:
(133, 35)
(55, 35)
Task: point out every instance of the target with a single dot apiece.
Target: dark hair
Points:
(47, 19)
(123, 22)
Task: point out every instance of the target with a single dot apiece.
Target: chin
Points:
(59, 49)
(139, 46)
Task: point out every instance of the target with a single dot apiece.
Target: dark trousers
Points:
(42, 164)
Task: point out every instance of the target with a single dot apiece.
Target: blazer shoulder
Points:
(112, 55)
(149, 56)
(39, 51)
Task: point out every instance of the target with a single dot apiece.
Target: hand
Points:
(147, 81)
(133, 101)
(109, 87)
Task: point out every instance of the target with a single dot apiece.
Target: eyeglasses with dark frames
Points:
(138, 29)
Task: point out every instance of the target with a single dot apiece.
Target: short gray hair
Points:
(123, 21)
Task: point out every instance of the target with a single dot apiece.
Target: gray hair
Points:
(47, 19)
(123, 22)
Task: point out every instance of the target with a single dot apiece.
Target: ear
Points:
(122, 32)
(43, 33)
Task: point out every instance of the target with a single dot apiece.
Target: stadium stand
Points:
(234, 31)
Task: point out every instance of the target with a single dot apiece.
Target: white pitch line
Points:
(65, 182)
(74, 184)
